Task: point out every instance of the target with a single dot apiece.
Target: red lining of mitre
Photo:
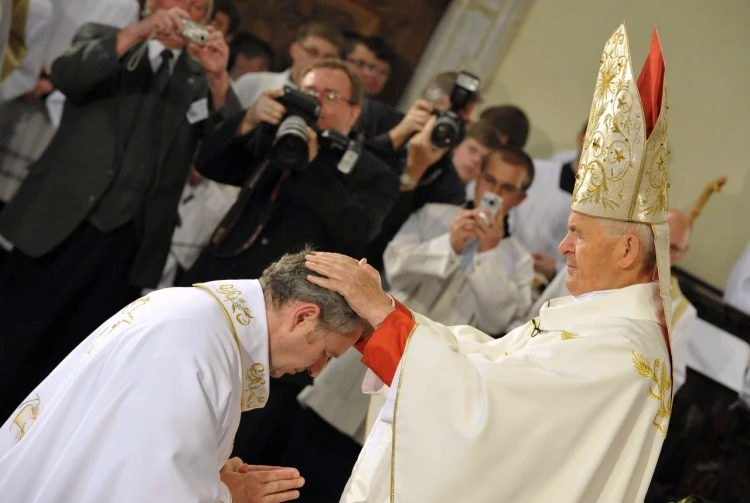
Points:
(651, 83)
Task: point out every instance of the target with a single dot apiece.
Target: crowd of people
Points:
(134, 159)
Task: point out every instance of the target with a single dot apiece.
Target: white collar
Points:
(640, 302)
(155, 49)
(245, 308)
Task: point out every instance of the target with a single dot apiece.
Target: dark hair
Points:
(515, 156)
(320, 29)
(229, 8)
(350, 40)
(382, 50)
(443, 83)
(509, 120)
(485, 133)
(250, 46)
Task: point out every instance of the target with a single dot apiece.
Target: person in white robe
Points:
(146, 407)
(737, 292)
(573, 406)
(449, 264)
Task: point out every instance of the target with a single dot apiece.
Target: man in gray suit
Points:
(92, 222)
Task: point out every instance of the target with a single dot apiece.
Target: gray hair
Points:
(285, 281)
(642, 232)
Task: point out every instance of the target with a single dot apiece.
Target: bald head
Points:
(679, 234)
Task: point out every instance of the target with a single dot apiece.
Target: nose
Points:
(566, 245)
(317, 367)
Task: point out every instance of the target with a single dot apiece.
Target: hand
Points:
(214, 55)
(413, 122)
(195, 177)
(265, 109)
(463, 228)
(312, 144)
(489, 235)
(260, 484)
(162, 23)
(357, 281)
(544, 264)
(43, 87)
(421, 153)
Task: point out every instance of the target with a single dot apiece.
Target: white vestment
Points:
(541, 222)
(571, 407)
(251, 85)
(737, 292)
(145, 409)
(486, 290)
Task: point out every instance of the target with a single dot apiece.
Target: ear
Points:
(504, 139)
(356, 111)
(294, 50)
(521, 198)
(628, 251)
(304, 316)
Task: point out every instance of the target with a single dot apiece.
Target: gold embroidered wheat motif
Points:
(660, 388)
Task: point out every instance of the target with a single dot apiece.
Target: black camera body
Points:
(289, 149)
(449, 128)
(344, 148)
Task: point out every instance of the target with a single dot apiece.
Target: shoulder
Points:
(92, 31)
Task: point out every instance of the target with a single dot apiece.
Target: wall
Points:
(550, 70)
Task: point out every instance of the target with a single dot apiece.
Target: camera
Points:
(343, 147)
(490, 203)
(289, 149)
(193, 32)
(449, 127)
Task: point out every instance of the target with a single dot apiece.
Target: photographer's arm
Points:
(227, 157)
(353, 214)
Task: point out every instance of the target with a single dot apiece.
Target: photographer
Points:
(92, 222)
(428, 175)
(463, 267)
(281, 210)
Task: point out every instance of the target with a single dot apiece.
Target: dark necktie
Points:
(161, 78)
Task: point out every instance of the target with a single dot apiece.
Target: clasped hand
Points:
(260, 484)
(468, 224)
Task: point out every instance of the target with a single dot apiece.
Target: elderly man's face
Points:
(590, 254)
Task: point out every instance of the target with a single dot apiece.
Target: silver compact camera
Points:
(194, 32)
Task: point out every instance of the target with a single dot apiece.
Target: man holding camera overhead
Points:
(303, 182)
(92, 222)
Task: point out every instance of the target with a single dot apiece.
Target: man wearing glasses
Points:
(462, 268)
(319, 205)
(315, 40)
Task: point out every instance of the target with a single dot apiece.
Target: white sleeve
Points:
(682, 332)
(500, 297)
(408, 254)
(248, 88)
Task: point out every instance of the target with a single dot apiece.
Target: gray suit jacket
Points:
(103, 100)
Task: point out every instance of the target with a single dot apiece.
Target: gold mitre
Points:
(622, 174)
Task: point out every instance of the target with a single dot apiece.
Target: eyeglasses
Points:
(370, 68)
(505, 188)
(316, 53)
(327, 95)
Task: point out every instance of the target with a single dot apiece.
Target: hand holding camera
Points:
(211, 50)
(463, 230)
(265, 109)
(164, 23)
(421, 154)
(490, 221)
(413, 122)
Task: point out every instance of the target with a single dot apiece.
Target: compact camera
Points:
(289, 149)
(491, 203)
(194, 32)
(449, 128)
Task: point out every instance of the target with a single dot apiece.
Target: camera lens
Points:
(289, 150)
(445, 133)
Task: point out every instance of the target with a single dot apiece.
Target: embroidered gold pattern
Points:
(126, 316)
(255, 377)
(567, 336)
(662, 383)
(28, 412)
(239, 304)
(622, 175)
(395, 412)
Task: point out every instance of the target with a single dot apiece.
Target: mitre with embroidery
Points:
(622, 174)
